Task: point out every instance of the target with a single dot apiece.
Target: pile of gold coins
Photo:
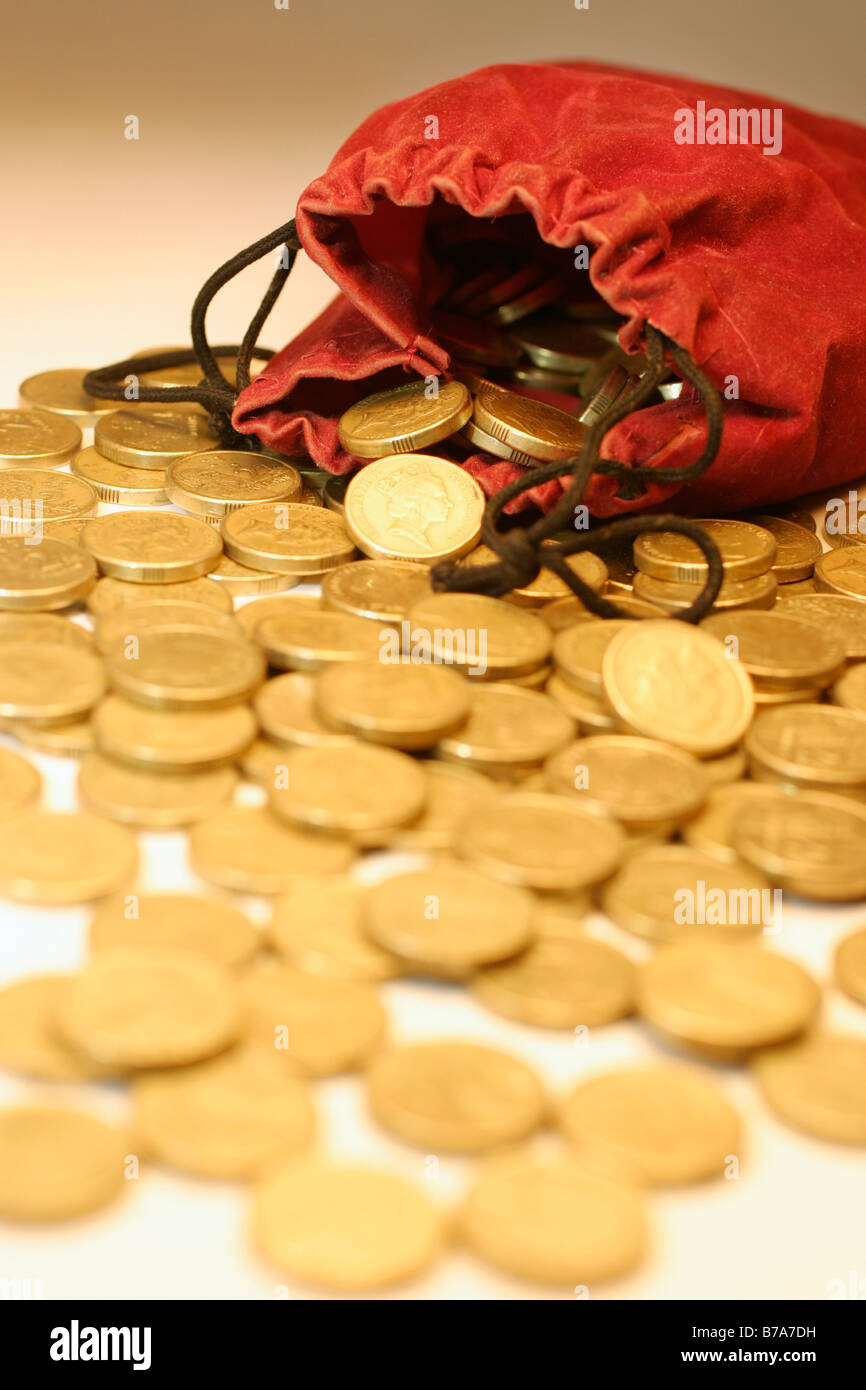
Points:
(539, 764)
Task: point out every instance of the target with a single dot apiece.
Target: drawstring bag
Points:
(726, 229)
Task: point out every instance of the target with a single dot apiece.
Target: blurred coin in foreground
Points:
(554, 1222)
(57, 1163)
(344, 1227)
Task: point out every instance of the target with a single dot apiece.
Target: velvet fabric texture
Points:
(753, 262)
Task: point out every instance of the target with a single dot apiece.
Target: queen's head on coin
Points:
(414, 505)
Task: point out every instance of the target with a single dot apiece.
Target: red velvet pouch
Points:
(754, 263)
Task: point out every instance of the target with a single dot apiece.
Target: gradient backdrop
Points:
(240, 105)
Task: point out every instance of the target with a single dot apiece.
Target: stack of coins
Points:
(600, 815)
(522, 322)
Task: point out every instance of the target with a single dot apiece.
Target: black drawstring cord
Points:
(522, 553)
(214, 392)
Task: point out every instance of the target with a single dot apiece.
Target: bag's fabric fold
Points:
(752, 262)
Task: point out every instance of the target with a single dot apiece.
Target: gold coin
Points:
(521, 305)
(249, 849)
(670, 681)
(414, 507)
(335, 492)
(221, 480)
(286, 536)
(356, 790)
(381, 589)
(844, 617)
(712, 830)
(310, 496)
(318, 928)
(40, 680)
(797, 587)
(20, 784)
(242, 582)
(343, 1227)
(452, 791)
(315, 1025)
(727, 996)
(171, 740)
(850, 689)
(579, 650)
(593, 713)
(664, 1124)
(543, 841)
(842, 572)
(666, 891)
(185, 667)
(402, 706)
(671, 596)
(190, 373)
(32, 496)
(541, 431)
(29, 1044)
(535, 680)
(495, 286)
(640, 781)
(795, 512)
(454, 1097)
(151, 436)
(61, 392)
(745, 549)
(564, 612)
(808, 694)
(558, 345)
(849, 965)
(482, 442)
(814, 746)
(37, 439)
(727, 767)
(59, 857)
(149, 1006)
(560, 981)
(404, 419)
(778, 651)
(44, 627)
(281, 605)
(797, 547)
(118, 482)
(203, 926)
(553, 1222)
(152, 547)
(43, 577)
(57, 1163)
(473, 340)
(812, 843)
(547, 587)
(66, 740)
(480, 636)
(153, 800)
(309, 638)
(118, 629)
(818, 1084)
(263, 762)
(286, 710)
(70, 529)
(447, 920)
(224, 1118)
(109, 595)
(508, 730)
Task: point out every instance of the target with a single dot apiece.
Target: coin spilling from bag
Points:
(606, 819)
